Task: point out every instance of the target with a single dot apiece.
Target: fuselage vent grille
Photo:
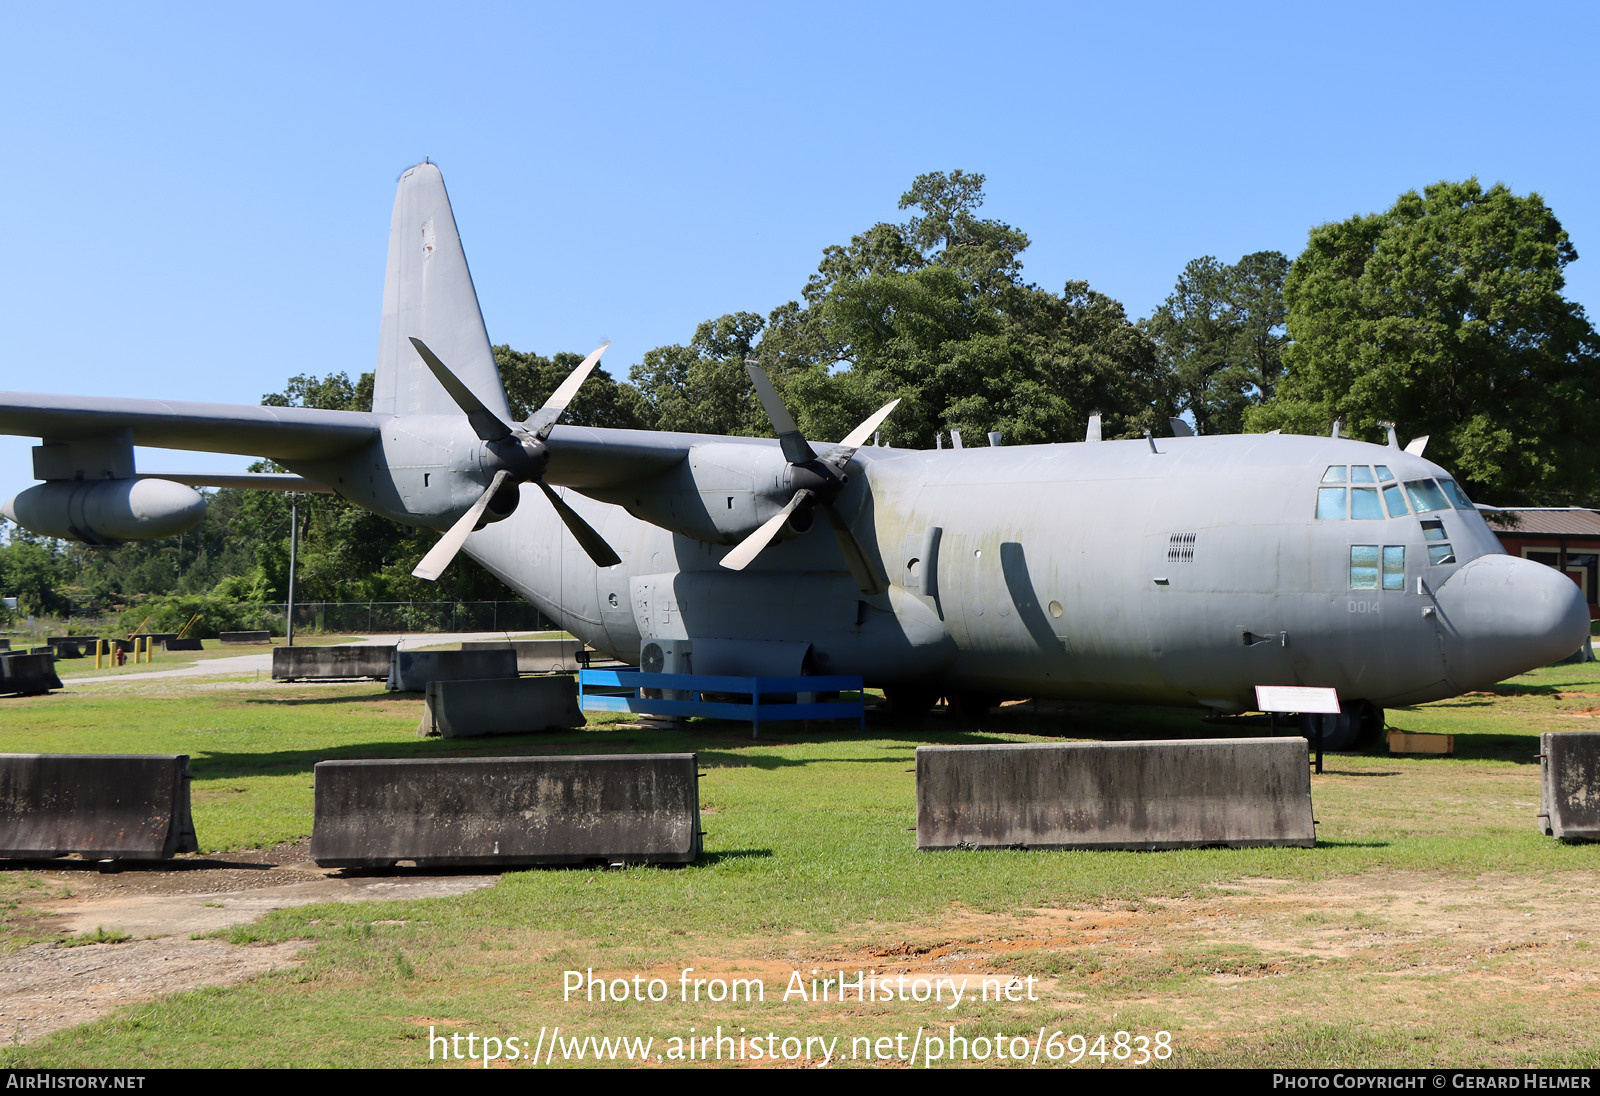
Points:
(1180, 548)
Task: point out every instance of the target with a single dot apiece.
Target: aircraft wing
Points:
(599, 457)
(279, 433)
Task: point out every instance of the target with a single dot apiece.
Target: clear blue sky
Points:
(198, 195)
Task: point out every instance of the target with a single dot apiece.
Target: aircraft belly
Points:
(886, 639)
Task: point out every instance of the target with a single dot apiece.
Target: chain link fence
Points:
(363, 617)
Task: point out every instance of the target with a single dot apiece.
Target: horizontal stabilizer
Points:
(280, 433)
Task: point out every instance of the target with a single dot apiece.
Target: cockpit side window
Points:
(1433, 531)
(1334, 474)
(1360, 473)
(1426, 496)
(1457, 495)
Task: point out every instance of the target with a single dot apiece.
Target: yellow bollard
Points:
(97, 645)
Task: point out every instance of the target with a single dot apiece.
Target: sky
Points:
(199, 194)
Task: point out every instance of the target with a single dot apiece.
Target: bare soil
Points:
(45, 987)
(1494, 938)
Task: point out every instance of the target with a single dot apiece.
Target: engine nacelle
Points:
(103, 512)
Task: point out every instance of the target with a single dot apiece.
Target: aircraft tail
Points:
(428, 295)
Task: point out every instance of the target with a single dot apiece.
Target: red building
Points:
(1566, 538)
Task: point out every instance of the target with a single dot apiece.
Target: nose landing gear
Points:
(1360, 725)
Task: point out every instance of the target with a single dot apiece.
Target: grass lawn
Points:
(1431, 925)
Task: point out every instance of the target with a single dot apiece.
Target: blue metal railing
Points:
(623, 691)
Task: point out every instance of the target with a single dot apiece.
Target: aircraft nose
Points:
(1500, 616)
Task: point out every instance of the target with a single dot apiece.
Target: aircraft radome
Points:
(1182, 570)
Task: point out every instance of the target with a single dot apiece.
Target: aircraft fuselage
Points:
(1184, 573)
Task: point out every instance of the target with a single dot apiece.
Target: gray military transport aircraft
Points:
(1179, 571)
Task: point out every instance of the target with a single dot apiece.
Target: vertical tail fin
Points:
(428, 294)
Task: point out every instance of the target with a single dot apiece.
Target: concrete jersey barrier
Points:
(1569, 770)
(534, 656)
(507, 811)
(23, 674)
(410, 671)
(100, 806)
(1236, 792)
(331, 663)
(509, 705)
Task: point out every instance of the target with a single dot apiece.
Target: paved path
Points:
(260, 663)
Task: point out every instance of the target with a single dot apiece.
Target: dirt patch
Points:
(45, 987)
(1378, 944)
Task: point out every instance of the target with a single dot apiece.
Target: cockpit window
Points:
(1334, 474)
(1364, 503)
(1360, 473)
(1364, 561)
(1457, 495)
(1426, 496)
(1363, 567)
(1394, 567)
(1330, 502)
(1396, 500)
(1384, 475)
(1434, 532)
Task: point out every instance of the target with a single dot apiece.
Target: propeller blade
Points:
(485, 423)
(861, 433)
(440, 555)
(542, 421)
(855, 556)
(750, 547)
(794, 445)
(591, 541)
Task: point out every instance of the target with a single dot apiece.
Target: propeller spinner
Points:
(818, 480)
(522, 453)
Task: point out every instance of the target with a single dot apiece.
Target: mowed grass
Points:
(811, 865)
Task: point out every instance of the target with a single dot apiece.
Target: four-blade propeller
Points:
(818, 482)
(522, 454)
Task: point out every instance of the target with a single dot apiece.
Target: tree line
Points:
(1443, 315)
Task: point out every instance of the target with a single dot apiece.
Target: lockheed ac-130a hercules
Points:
(1180, 571)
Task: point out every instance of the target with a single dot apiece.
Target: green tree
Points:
(1445, 315)
(335, 392)
(529, 379)
(33, 569)
(1220, 338)
(932, 312)
(703, 387)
